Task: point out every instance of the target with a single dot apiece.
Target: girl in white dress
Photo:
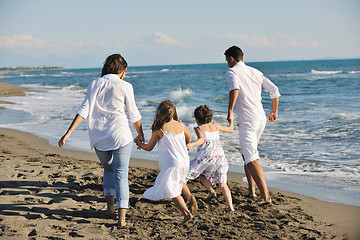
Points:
(210, 162)
(172, 137)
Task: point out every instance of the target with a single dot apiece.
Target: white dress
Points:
(174, 167)
(210, 160)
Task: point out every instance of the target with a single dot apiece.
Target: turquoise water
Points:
(314, 148)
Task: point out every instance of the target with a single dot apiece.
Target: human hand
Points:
(272, 117)
(139, 140)
(63, 139)
(230, 116)
(189, 146)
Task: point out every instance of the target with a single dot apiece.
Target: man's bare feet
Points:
(193, 204)
(187, 218)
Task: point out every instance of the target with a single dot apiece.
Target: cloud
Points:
(156, 39)
(40, 47)
(24, 41)
(258, 41)
(253, 41)
(30, 47)
(151, 41)
(164, 39)
(291, 41)
(315, 44)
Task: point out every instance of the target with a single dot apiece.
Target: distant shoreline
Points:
(18, 69)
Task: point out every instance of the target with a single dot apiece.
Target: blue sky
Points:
(80, 34)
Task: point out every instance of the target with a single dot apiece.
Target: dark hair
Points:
(203, 114)
(114, 64)
(234, 52)
(164, 113)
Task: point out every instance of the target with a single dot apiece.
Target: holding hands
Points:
(189, 146)
(231, 117)
(139, 140)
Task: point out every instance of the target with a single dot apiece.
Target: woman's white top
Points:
(106, 102)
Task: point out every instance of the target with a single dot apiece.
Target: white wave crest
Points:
(326, 72)
(184, 113)
(179, 95)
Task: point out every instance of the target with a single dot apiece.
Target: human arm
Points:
(227, 129)
(77, 120)
(233, 81)
(273, 115)
(151, 144)
(139, 130)
(199, 141)
(187, 134)
(233, 95)
(134, 114)
(270, 87)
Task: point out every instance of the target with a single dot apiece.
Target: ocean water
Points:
(313, 149)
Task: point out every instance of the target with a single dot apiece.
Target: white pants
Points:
(249, 137)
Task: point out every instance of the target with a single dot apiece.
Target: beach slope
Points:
(51, 193)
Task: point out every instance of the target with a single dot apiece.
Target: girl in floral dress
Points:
(210, 164)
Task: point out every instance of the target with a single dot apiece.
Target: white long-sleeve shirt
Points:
(105, 104)
(250, 82)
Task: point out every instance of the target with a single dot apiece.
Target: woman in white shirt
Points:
(106, 102)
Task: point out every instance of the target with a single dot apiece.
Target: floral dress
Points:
(210, 160)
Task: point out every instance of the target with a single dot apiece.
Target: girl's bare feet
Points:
(262, 201)
(193, 204)
(211, 195)
(252, 194)
(187, 218)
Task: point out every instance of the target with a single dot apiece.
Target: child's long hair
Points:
(203, 114)
(164, 113)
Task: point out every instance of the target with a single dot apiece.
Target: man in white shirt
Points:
(245, 87)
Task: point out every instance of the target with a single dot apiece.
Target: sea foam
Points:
(179, 94)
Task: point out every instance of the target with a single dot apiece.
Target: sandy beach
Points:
(53, 193)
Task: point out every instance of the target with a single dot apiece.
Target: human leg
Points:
(121, 159)
(249, 136)
(259, 177)
(122, 217)
(208, 186)
(180, 203)
(106, 160)
(110, 202)
(190, 198)
(251, 182)
(227, 195)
